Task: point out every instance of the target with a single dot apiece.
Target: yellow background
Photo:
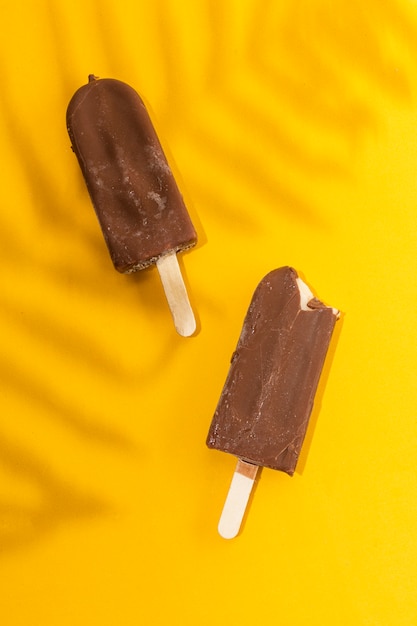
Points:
(291, 127)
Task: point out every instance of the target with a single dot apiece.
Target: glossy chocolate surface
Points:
(136, 199)
(265, 405)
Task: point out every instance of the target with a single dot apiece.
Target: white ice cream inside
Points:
(305, 294)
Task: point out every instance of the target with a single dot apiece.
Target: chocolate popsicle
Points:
(139, 207)
(266, 402)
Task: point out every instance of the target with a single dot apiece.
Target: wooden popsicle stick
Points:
(237, 499)
(176, 294)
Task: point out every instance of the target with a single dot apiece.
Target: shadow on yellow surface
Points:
(61, 503)
(309, 96)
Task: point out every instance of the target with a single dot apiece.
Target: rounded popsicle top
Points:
(139, 206)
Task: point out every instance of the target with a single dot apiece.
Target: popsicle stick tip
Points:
(176, 294)
(226, 531)
(236, 500)
(187, 327)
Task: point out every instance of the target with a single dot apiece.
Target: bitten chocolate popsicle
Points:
(265, 405)
(133, 191)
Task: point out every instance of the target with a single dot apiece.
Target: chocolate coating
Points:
(265, 405)
(136, 199)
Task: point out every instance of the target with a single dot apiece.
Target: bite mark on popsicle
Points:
(138, 204)
(266, 403)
